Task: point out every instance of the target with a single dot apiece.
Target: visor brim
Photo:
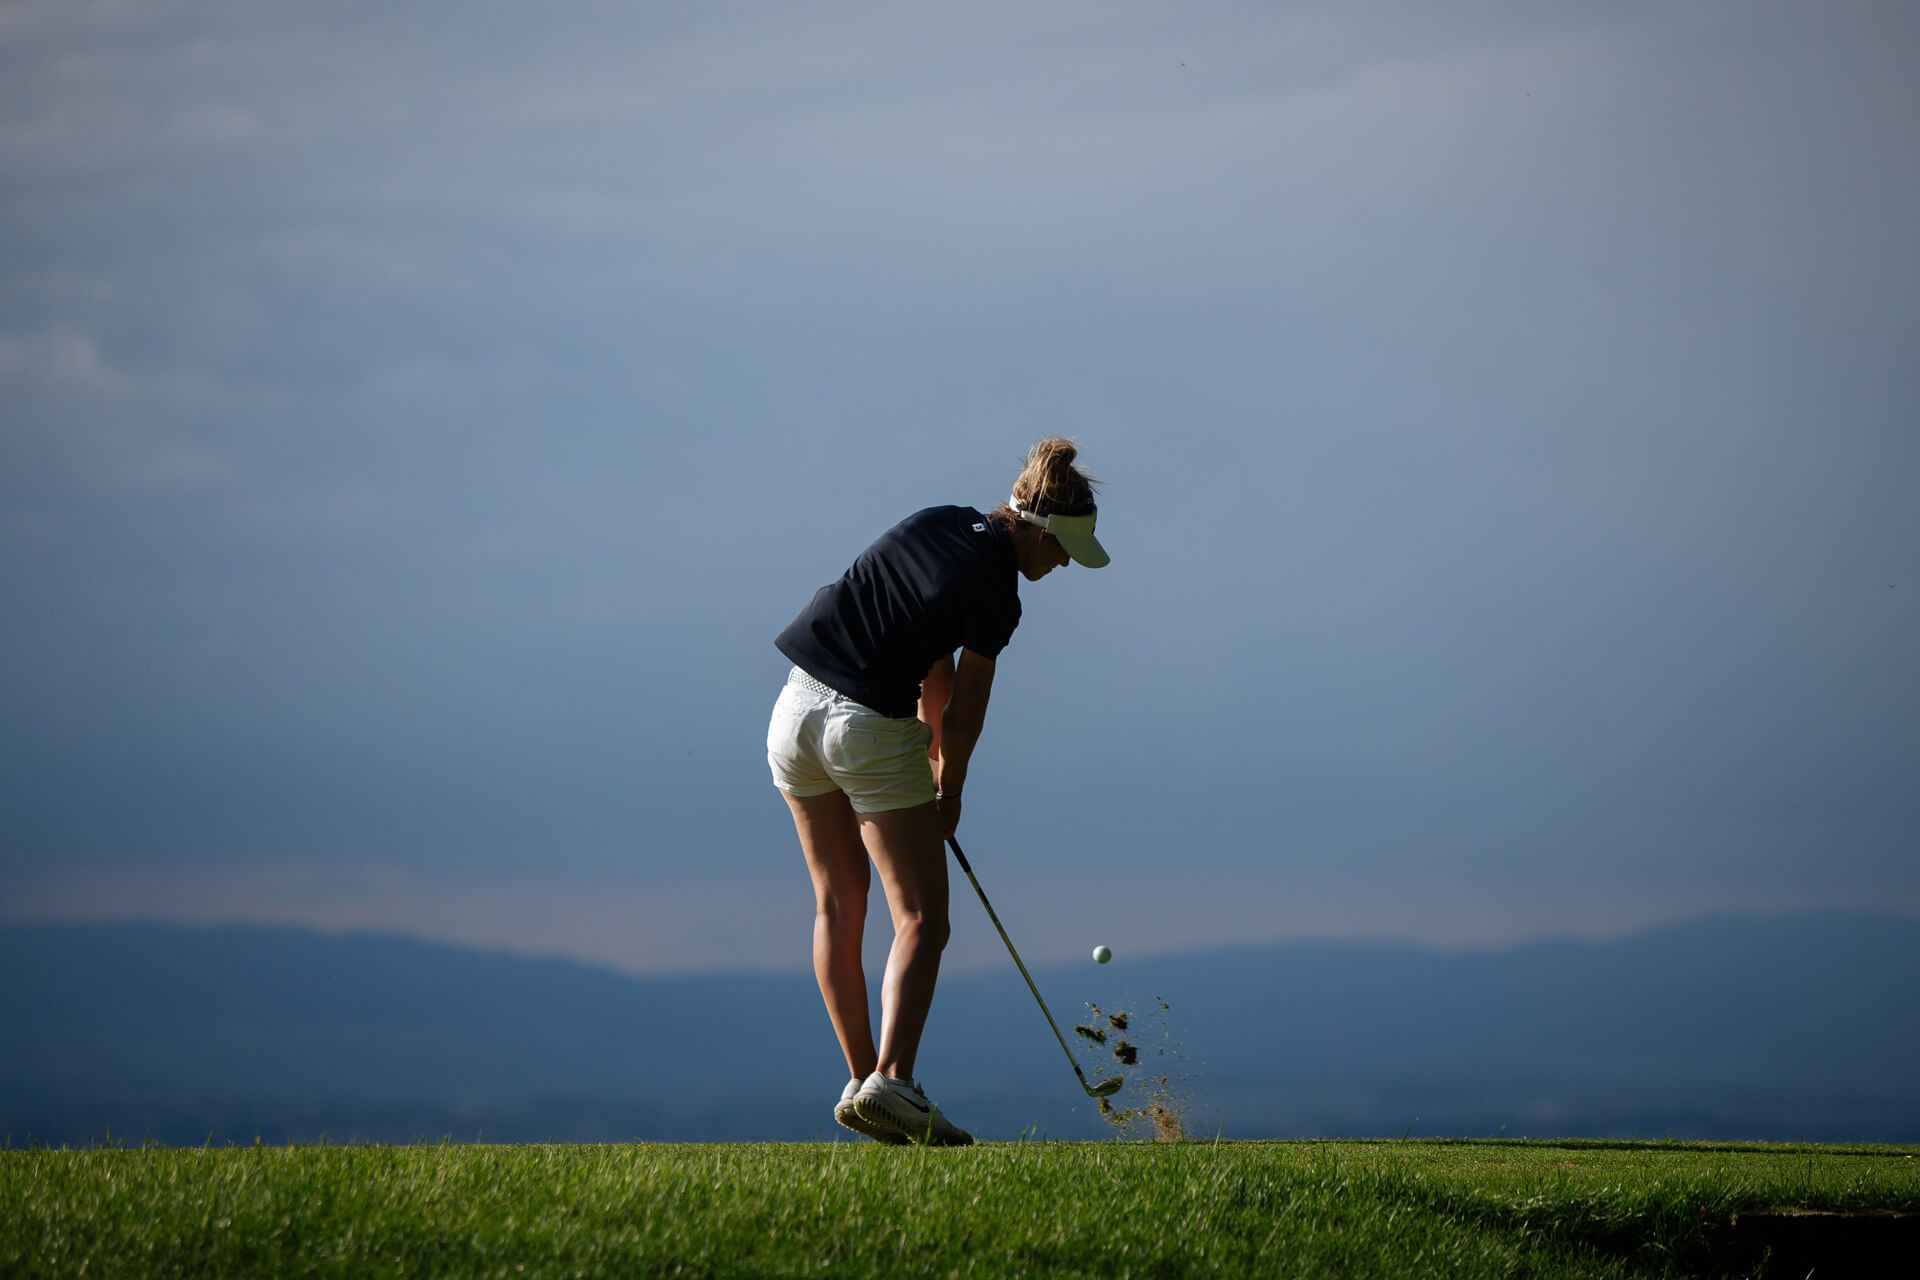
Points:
(1085, 550)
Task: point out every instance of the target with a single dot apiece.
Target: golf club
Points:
(1106, 1088)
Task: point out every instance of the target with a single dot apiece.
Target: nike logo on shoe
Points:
(909, 1093)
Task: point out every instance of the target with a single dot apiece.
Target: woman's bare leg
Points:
(837, 860)
(905, 845)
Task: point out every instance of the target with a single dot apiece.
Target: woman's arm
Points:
(959, 728)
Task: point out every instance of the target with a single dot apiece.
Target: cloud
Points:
(104, 428)
(63, 358)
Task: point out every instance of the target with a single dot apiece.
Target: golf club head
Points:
(1106, 1088)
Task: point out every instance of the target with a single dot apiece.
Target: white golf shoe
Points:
(849, 1118)
(899, 1107)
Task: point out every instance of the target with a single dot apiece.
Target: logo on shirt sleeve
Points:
(979, 528)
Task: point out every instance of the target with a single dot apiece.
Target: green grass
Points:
(1109, 1210)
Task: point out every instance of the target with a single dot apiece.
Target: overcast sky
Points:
(417, 420)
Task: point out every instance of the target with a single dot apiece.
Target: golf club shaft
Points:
(974, 880)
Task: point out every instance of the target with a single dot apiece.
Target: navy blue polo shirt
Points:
(942, 579)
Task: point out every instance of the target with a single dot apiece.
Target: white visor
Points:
(1074, 532)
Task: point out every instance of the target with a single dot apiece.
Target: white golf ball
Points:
(1101, 955)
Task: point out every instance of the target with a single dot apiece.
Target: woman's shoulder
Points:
(935, 523)
(962, 540)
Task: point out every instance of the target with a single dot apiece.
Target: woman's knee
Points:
(841, 913)
(924, 929)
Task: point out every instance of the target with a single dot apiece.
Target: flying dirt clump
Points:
(1165, 1102)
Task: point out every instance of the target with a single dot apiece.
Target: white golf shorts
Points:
(821, 741)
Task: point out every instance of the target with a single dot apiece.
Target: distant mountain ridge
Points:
(1788, 1028)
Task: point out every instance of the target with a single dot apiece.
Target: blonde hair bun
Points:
(1049, 483)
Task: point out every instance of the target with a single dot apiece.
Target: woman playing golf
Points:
(870, 741)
